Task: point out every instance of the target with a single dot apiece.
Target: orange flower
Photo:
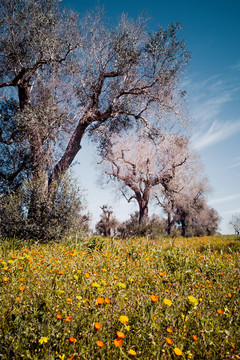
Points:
(120, 335)
(229, 295)
(107, 301)
(100, 301)
(154, 298)
(97, 325)
(21, 279)
(169, 330)
(162, 274)
(169, 341)
(68, 318)
(59, 316)
(5, 279)
(71, 357)
(194, 337)
(69, 300)
(99, 343)
(198, 313)
(118, 342)
(18, 299)
(61, 272)
(72, 339)
(87, 275)
(22, 287)
(220, 312)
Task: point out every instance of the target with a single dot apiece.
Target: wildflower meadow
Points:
(112, 299)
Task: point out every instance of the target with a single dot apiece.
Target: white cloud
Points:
(217, 132)
(224, 199)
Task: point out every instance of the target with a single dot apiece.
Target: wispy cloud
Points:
(210, 107)
(232, 212)
(224, 199)
(217, 132)
(235, 164)
(236, 66)
(210, 101)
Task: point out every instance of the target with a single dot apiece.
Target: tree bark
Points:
(183, 222)
(143, 213)
(71, 151)
(170, 225)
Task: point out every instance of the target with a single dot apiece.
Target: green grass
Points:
(51, 296)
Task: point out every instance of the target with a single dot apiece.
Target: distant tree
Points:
(139, 164)
(235, 223)
(155, 228)
(74, 76)
(178, 196)
(205, 221)
(183, 199)
(108, 224)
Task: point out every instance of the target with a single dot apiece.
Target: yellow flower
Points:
(95, 285)
(167, 302)
(177, 351)
(192, 300)
(132, 352)
(121, 285)
(43, 339)
(127, 327)
(123, 319)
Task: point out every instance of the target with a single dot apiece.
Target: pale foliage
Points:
(142, 165)
(235, 223)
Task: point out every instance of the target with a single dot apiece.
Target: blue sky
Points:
(211, 30)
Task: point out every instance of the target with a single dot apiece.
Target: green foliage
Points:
(155, 228)
(28, 212)
(167, 298)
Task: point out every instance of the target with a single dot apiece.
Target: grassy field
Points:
(114, 299)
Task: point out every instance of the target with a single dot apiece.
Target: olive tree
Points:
(235, 223)
(183, 200)
(69, 77)
(140, 164)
